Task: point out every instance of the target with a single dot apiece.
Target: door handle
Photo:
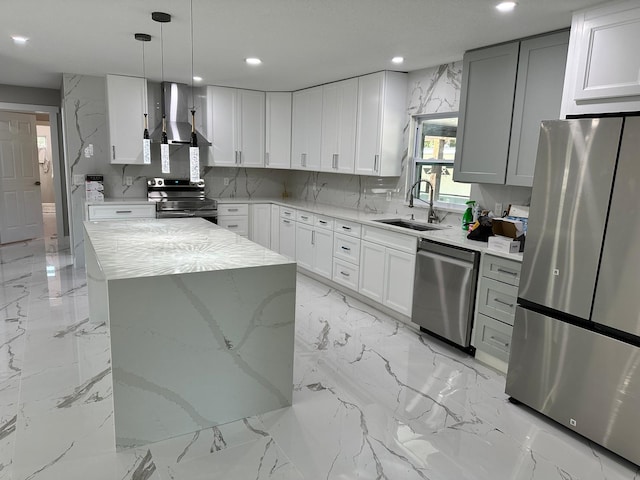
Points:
(37, 183)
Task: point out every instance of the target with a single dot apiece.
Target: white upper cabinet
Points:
(236, 126)
(126, 106)
(507, 90)
(382, 115)
(603, 66)
(278, 130)
(306, 129)
(339, 112)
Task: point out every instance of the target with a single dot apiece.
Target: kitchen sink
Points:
(399, 222)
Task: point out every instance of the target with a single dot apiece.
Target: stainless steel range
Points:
(179, 198)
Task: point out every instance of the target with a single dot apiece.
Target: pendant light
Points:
(146, 141)
(194, 151)
(161, 18)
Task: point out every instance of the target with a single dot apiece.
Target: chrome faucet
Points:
(433, 217)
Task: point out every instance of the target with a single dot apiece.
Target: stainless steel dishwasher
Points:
(444, 291)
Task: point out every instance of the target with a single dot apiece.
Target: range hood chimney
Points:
(176, 108)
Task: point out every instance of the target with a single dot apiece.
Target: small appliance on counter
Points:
(94, 188)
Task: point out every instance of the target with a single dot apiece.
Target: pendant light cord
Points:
(192, 96)
(161, 53)
(144, 77)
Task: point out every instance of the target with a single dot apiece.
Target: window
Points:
(434, 152)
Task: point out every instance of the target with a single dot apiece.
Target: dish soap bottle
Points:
(467, 217)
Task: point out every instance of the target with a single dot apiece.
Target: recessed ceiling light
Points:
(18, 40)
(506, 6)
(197, 79)
(397, 59)
(253, 61)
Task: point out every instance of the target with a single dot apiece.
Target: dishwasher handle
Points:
(447, 259)
(463, 254)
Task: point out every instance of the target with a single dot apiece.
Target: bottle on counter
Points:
(467, 217)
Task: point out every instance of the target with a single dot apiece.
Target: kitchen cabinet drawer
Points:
(501, 269)
(304, 217)
(345, 274)
(493, 337)
(236, 224)
(324, 222)
(286, 212)
(346, 248)
(398, 241)
(120, 212)
(498, 300)
(348, 228)
(234, 209)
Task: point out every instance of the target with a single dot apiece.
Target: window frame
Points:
(416, 123)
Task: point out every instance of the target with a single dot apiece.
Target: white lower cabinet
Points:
(399, 270)
(387, 268)
(287, 240)
(314, 248)
(345, 273)
(274, 232)
(260, 224)
(120, 211)
(234, 217)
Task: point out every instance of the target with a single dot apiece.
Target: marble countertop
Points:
(450, 235)
(153, 247)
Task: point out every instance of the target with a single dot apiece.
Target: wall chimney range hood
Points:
(176, 108)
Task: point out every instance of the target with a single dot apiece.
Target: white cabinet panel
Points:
(126, 106)
(372, 264)
(237, 126)
(382, 115)
(288, 238)
(346, 248)
(345, 273)
(398, 283)
(306, 129)
(275, 228)
(278, 130)
(323, 252)
(235, 224)
(304, 245)
(603, 67)
(225, 209)
(120, 212)
(339, 116)
(260, 228)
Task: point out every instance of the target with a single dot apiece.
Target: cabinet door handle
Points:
(322, 222)
(232, 226)
(375, 162)
(124, 211)
(286, 221)
(344, 273)
(346, 228)
(232, 210)
(266, 158)
(345, 248)
(313, 237)
(497, 300)
(334, 161)
(506, 345)
(508, 272)
(113, 150)
(239, 157)
(304, 217)
(287, 213)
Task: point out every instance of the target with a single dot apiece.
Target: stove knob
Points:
(152, 182)
(160, 182)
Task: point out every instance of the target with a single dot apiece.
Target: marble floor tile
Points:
(373, 399)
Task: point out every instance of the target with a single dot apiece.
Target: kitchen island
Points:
(201, 324)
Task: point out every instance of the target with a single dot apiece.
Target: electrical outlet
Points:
(226, 181)
(128, 181)
(497, 209)
(78, 179)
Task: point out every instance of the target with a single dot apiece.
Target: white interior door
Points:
(20, 205)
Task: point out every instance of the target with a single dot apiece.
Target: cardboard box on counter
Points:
(507, 227)
(504, 244)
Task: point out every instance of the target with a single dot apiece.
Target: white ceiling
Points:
(301, 42)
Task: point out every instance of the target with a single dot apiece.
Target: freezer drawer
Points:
(582, 379)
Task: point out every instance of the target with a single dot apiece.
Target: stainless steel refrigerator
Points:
(575, 352)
